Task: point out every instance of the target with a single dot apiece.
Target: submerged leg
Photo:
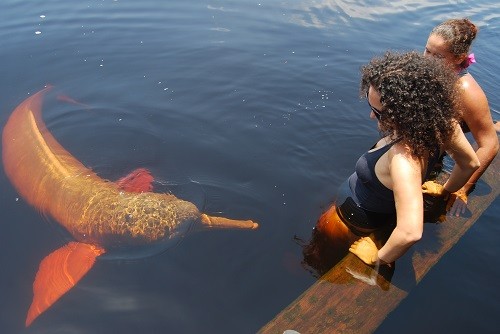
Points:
(329, 243)
(332, 226)
(220, 222)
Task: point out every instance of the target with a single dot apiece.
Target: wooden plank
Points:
(340, 303)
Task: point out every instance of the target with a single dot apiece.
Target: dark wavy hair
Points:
(419, 96)
(458, 35)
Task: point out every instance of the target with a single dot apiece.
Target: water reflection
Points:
(323, 14)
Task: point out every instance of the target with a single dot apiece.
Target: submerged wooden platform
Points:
(340, 303)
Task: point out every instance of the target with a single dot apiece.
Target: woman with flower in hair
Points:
(451, 41)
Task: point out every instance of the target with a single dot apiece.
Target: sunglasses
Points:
(375, 110)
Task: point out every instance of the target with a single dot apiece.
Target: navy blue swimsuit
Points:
(369, 204)
(366, 188)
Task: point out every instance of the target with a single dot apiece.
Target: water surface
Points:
(248, 110)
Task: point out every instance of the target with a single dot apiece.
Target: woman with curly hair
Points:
(451, 41)
(413, 98)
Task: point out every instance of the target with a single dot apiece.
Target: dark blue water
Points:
(248, 110)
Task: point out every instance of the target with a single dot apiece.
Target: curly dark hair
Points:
(419, 96)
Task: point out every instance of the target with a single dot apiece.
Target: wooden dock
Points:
(340, 303)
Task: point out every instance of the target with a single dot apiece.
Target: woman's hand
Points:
(433, 188)
(457, 203)
(366, 250)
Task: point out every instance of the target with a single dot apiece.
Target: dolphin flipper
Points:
(139, 180)
(58, 273)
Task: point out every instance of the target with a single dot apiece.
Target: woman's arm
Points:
(466, 160)
(405, 179)
(477, 116)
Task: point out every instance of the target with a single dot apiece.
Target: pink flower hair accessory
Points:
(470, 60)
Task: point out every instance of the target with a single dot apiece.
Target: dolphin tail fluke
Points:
(221, 222)
(58, 273)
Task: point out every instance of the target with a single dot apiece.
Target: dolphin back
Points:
(90, 208)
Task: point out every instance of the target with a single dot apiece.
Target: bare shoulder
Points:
(401, 161)
(405, 172)
(473, 94)
(476, 111)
